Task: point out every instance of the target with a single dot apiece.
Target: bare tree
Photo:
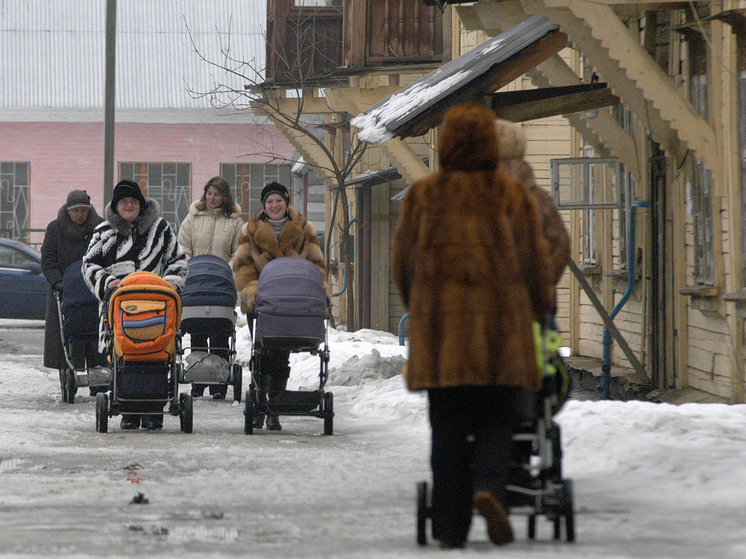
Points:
(290, 103)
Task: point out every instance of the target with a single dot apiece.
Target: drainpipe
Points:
(401, 328)
(344, 270)
(344, 281)
(631, 249)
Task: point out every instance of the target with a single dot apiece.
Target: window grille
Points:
(14, 200)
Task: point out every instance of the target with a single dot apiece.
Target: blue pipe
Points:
(631, 249)
(401, 328)
(344, 282)
(344, 269)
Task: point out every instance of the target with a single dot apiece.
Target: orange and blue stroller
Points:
(143, 320)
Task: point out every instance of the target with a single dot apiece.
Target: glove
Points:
(57, 286)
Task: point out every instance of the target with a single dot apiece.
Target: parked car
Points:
(23, 288)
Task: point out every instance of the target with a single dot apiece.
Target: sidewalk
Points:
(627, 384)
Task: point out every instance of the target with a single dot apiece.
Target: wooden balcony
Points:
(322, 44)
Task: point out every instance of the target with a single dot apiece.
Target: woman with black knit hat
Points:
(133, 238)
(275, 231)
(65, 242)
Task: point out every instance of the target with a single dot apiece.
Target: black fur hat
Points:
(126, 189)
(275, 188)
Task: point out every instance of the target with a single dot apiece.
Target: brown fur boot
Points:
(498, 527)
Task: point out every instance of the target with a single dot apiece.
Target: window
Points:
(698, 74)
(701, 192)
(248, 179)
(12, 258)
(170, 184)
(590, 184)
(14, 200)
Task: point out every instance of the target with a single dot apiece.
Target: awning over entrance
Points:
(420, 106)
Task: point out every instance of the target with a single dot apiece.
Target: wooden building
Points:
(652, 184)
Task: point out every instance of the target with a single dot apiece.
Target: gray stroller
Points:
(290, 314)
(209, 309)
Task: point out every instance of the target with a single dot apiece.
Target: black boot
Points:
(273, 423)
(130, 422)
(152, 422)
(198, 390)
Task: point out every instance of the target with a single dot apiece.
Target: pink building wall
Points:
(68, 155)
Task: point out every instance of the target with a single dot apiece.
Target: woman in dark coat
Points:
(470, 261)
(276, 231)
(65, 242)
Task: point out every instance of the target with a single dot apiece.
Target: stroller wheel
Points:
(532, 527)
(70, 388)
(328, 413)
(186, 416)
(248, 423)
(422, 513)
(237, 382)
(63, 385)
(568, 510)
(102, 412)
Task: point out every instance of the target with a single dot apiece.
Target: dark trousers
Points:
(472, 429)
(216, 343)
(274, 369)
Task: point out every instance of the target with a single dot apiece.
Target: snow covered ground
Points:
(651, 480)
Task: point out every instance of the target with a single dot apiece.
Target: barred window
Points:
(14, 200)
(248, 179)
(170, 184)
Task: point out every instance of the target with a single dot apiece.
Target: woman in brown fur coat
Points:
(277, 230)
(512, 148)
(470, 261)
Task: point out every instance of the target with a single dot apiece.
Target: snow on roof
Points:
(373, 125)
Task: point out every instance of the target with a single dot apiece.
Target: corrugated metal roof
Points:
(52, 52)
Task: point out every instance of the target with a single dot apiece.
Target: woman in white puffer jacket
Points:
(213, 226)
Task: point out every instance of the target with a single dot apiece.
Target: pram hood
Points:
(209, 296)
(75, 292)
(291, 287)
(210, 282)
(78, 305)
(290, 300)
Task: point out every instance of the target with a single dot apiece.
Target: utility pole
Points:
(109, 99)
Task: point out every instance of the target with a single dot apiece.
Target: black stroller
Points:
(143, 319)
(209, 309)
(77, 309)
(290, 313)
(535, 484)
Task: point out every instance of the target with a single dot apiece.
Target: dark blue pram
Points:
(78, 313)
(209, 309)
(290, 314)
